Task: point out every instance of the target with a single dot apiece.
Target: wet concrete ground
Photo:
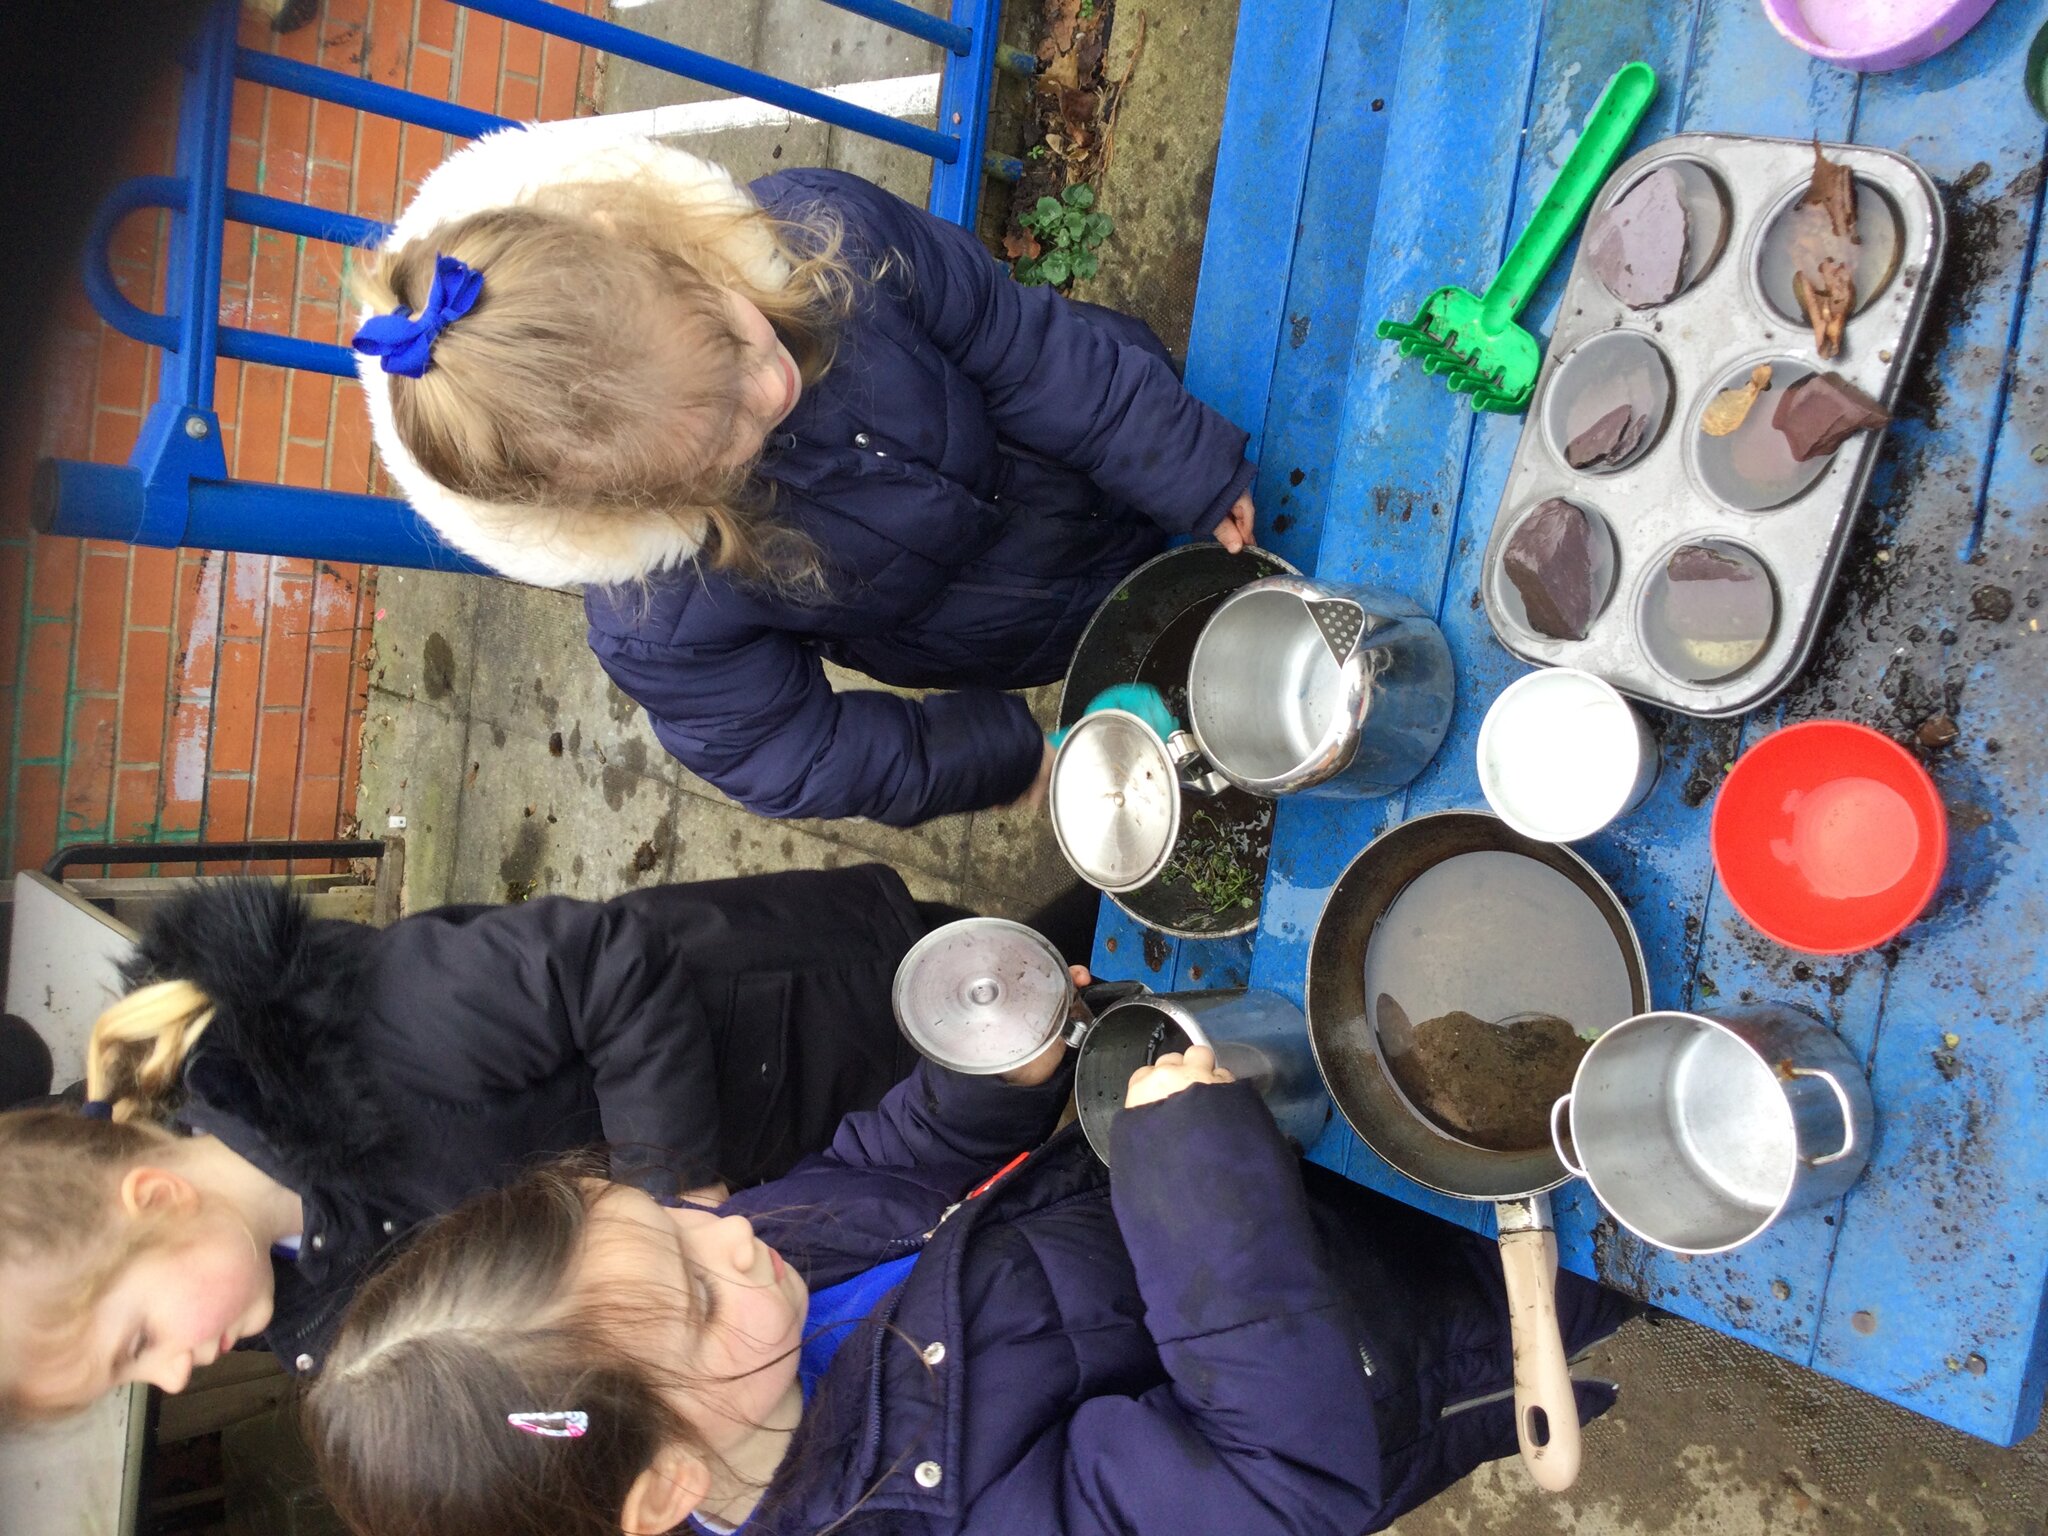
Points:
(518, 770)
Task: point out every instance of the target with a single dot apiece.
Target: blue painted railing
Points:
(175, 489)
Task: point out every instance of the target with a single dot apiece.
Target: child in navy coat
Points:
(768, 427)
(925, 1330)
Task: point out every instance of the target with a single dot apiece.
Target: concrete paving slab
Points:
(1163, 160)
(413, 759)
(1713, 1438)
(714, 840)
(425, 637)
(534, 824)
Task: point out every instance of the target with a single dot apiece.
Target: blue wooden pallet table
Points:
(1374, 150)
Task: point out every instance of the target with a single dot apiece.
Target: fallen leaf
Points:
(1730, 408)
(1019, 246)
(1833, 190)
(1827, 301)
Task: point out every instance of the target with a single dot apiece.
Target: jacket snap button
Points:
(303, 1364)
(390, 1227)
(861, 439)
(934, 1352)
(318, 1241)
(928, 1474)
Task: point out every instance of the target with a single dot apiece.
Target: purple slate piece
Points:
(1823, 411)
(1550, 560)
(1638, 246)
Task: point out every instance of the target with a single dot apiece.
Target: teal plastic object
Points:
(1140, 699)
(1472, 341)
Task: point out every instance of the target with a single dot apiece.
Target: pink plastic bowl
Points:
(1874, 35)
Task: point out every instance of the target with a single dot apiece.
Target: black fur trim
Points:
(283, 1052)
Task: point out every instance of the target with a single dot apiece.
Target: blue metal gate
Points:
(174, 489)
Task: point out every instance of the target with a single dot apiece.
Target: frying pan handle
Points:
(1546, 1412)
(1560, 1133)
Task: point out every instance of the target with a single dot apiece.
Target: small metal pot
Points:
(1259, 1037)
(1697, 1131)
(1306, 686)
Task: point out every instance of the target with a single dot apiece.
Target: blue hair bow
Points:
(403, 341)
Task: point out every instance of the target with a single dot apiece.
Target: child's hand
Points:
(1234, 533)
(1047, 1061)
(1173, 1072)
(1034, 797)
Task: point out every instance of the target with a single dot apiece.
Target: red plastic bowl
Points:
(1829, 837)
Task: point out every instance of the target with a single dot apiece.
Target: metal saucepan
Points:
(1697, 1131)
(1349, 1053)
(1145, 633)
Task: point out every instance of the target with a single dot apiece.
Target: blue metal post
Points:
(624, 43)
(949, 35)
(963, 110)
(365, 95)
(105, 501)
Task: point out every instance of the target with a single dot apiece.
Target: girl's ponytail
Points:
(139, 1046)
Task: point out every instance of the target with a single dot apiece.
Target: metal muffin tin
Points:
(1710, 335)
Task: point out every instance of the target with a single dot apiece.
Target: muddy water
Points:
(1217, 873)
(1488, 976)
(1798, 232)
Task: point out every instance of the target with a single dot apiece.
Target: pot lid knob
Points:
(1115, 800)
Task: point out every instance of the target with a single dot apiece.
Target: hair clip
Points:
(97, 1109)
(404, 342)
(565, 1424)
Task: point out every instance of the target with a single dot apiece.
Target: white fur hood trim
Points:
(506, 169)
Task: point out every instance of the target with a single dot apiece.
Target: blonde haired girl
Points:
(283, 1098)
(773, 426)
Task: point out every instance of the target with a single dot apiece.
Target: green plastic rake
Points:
(1471, 340)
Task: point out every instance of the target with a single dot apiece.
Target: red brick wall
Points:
(173, 694)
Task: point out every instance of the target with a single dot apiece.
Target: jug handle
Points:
(1182, 747)
(1842, 1102)
(1094, 1000)
(1560, 1115)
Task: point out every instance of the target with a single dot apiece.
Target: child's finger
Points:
(1079, 975)
(1200, 1058)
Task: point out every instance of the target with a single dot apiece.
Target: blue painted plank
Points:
(1261, 168)
(1943, 1252)
(1768, 1292)
(1402, 437)
(1314, 345)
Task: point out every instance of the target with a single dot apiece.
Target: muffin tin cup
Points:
(1712, 333)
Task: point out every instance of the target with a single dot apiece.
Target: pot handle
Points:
(1546, 1411)
(1841, 1102)
(1560, 1132)
(1187, 755)
(1094, 1000)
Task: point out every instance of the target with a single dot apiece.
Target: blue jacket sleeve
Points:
(760, 720)
(952, 1124)
(1267, 1424)
(1055, 381)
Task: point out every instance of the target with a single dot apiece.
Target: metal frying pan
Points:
(1349, 1053)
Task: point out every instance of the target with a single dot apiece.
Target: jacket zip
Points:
(1467, 1404)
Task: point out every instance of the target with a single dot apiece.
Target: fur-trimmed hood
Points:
(283, 1054)
(506, 169)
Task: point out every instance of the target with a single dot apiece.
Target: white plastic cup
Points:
(1562, 754)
